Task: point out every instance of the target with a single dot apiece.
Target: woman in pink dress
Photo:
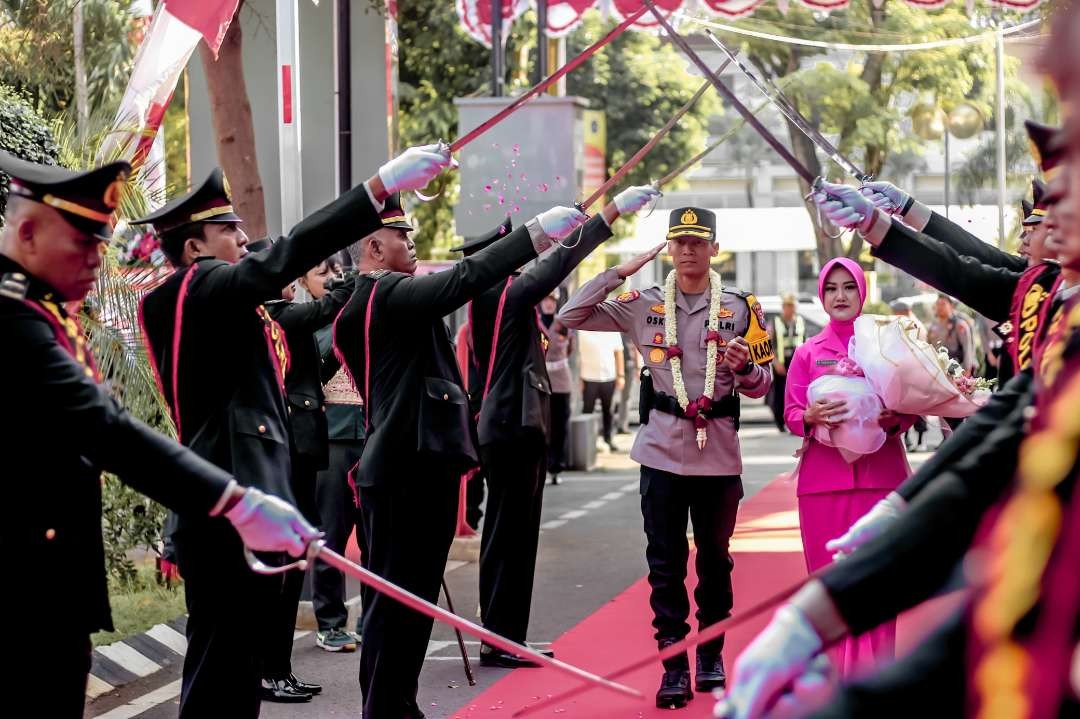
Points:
(832, 493)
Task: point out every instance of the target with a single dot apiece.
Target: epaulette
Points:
(14, 285)
(378, 274)
(737, 292)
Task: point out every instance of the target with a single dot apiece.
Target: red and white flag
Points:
(174, 33)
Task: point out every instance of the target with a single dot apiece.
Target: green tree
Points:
(639, 81)
(23, 133)
(863, 103)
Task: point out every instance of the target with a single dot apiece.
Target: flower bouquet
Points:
(137, 246)
(909, 375)
(858, 433)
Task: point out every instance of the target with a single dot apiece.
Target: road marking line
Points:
(169, 637)
(553, 524)
(573, 514)
(130, 659)
(144, 703)
(612, 496)
(631, 486)
(95, 686)
(595, 504)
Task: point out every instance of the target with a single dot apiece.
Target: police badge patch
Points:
(657, 309)
(628, 296)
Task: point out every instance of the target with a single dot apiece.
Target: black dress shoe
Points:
(674, 692)
(303, 686)
(490, 657)
(710, 672)
(280, 691)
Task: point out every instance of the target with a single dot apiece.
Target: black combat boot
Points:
(674, 692)
(710, 670)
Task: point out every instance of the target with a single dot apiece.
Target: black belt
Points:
(726, 406)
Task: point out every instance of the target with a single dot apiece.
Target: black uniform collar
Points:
(34, 288)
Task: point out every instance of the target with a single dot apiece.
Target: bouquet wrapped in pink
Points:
(859, 433)
(909, 375)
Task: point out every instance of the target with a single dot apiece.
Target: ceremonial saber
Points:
(648, 146)
(318, 549)
(546, 83)
(769, 89)
(701, 155)
(460, 639)
(709, 633)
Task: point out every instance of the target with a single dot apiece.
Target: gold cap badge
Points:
(689, 218)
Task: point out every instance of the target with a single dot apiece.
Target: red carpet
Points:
(768, 558)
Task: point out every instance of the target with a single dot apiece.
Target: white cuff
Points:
(878, 228)
(918, 217)
(540, 240)
(224, 498)
(371, 196)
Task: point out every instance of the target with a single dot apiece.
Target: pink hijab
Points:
(843, 330)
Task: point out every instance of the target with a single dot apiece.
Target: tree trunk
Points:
(234, 129)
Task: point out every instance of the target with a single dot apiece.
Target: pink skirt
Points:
(823, 517)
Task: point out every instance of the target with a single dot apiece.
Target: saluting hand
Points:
(736, 354)
(634, 264)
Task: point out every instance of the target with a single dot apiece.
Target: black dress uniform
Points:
(513, 428)
(61, 429)
(222, 360)
(310, 446)
(420, 440)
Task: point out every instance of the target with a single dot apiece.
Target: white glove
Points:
(559, 222)
(804, 696)
(266, 523)
(880, 517)
(781, 653)
(886, 196)
(845, 206)
(633, 199)
(414, 168)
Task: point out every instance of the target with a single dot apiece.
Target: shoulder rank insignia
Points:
(628, 296)
(737, 292)
(723, 313)
(14, 285)
(761, 349)
(657, 309)
(378, 274)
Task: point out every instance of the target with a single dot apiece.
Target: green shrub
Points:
(24, 134)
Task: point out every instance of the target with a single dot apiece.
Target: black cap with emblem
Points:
(209, 202)
(393, 214)
(1047, 147)
(86, 199)
(692, 222)
(1035, 212)
(479, 242)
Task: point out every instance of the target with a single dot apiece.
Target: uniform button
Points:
(50, 534)
(1029, 413)
(262, 429)
(446, 396)
(19, 277)
(307, 402)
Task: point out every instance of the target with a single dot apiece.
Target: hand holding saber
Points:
(318, 549)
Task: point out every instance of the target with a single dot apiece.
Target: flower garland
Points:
(697, 409)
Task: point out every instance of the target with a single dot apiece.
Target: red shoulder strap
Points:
(495, 336)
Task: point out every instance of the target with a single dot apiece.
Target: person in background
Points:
(788, 333)
(951, 330)
(560, 347)
(833, 493)
(602, 372)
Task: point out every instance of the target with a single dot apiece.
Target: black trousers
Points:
(602, 391)
(410, 525)
(560, 430)
(711, 503)
(776, 399)
(516, 475)
(224, 599)
(337, 513)
(278, 637)
(50, 675)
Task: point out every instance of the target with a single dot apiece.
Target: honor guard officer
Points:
(310, 454)
(703, 345)
(68, 429)
(420, 433)
(515, 421)
(222, 360)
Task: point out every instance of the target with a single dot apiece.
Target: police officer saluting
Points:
(420, 435)
(68, 429)
(515, 420)
(222, 360)
(702, 345)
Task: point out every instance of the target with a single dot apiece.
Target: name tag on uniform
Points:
(826, 362)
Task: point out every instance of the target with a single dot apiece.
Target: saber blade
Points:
(769, 89)
(318, 549)
(766, 135)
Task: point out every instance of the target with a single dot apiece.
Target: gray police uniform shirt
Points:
(667, 442)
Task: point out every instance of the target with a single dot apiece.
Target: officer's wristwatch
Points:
(747, 368)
